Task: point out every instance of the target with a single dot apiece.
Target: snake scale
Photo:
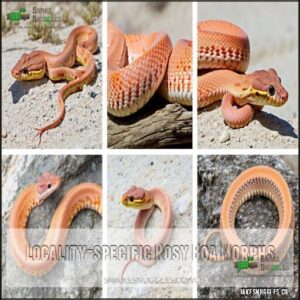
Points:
(141, 64)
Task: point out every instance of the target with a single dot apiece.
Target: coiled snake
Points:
(145, 201)
(223, 58)
(82, 196)
(140, 64)
(263, 181)
(80, 46)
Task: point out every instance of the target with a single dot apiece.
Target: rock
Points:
(4, 135)
(93, 94)
(18, 172)
(257, 213)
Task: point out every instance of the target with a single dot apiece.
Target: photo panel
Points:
(149, 227)
(248, 75)
(51, 226)
(51, 75)
(149, 94)
(247, 226)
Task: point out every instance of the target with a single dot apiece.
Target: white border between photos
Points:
(191, 152)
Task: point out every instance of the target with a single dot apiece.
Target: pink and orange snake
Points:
(82, 196)
(263, 181)
(139, 65)
(223, 58)
(146, 201)
(80, 46)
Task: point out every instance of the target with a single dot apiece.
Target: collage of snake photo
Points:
(150, 149)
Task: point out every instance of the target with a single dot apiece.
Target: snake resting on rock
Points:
(82, 196)
(223, 57)
(80, 46)
(145, 201)
(263, 181)
(140, 64)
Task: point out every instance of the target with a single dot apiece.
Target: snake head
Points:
(137, 197)
(47, 184)
(30, 67)
(261, 88)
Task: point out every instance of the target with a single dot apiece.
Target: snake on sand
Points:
(223, 57)
(80, 46)
(82, 196)
(145, 201)
(141, 64)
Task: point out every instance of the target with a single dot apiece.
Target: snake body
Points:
(223, 58)
(82, 196)
(80, 45)
(263, 181)
(140, 64)
(146, 201)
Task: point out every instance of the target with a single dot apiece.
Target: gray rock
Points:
(224, 169)
(18, 172)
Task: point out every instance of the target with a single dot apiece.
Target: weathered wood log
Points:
(155, 126)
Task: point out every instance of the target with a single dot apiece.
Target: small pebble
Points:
(93, 94)
(225, 136)
(4, 135)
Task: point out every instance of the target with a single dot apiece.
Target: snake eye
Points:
(25, 70)
(130, 198)
(271, 90)
(49, 186)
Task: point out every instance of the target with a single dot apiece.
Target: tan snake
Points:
(80, 46)
(145, 201)
(223, 58)
(258, 180)
(82, 196)
(140, 64)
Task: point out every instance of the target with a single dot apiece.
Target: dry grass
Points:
(44, 31)
(67, 19)
(7, 26)
(92, 12)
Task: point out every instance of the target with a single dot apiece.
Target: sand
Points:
(173, 174)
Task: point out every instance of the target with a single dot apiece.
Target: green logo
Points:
(47, 19)
(245, 264)
(16, 16)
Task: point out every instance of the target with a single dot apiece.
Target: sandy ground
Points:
(172, 173)
(273, 38)
(33, 104)
(17, 173)
(266, 130)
